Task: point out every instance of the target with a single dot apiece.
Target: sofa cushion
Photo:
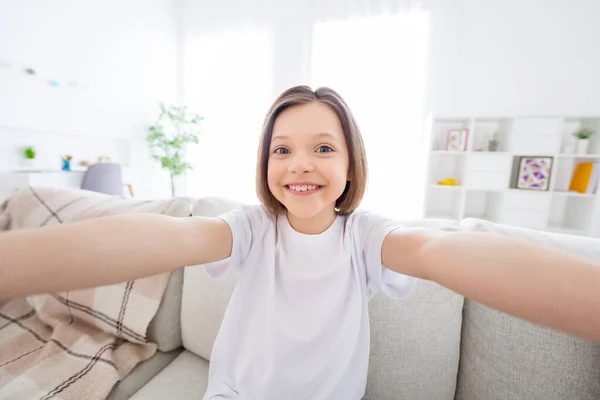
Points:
(142, 374)
(165, 327)
(507, 358)
(415, 345)
(204, 298)
(184, 378)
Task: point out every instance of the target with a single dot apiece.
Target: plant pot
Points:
(582, 146)
(28, 162)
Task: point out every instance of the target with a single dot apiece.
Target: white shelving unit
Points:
(485, 178)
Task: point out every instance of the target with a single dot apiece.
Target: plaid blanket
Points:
(79, 344)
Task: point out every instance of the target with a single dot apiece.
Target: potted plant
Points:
(29, 154)
(169, 137)
(493, 143)
(583, 135)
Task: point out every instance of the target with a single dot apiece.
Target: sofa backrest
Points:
(415, 342)
(204, 299)
(507, 358)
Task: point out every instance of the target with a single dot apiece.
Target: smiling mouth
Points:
(303, 189)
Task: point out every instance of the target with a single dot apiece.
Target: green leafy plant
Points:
(29, 153)
(169, 137)
(583, 133)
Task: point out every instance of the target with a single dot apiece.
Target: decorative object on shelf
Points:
(84, 163)
(66, 163)
(29, 154)
(457, 140)
(583, 134)
(104, 158)
(42, 77)
(447, 182)
(534, 173)
(168, 139)
(585, 178)
(493, 143)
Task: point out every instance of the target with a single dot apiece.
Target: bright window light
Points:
(228, 81)
(378, 64)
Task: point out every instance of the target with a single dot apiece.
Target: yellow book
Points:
(581, 177)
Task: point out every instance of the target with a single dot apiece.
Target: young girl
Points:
(307, 262)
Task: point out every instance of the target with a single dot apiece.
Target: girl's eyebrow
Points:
(320, 134)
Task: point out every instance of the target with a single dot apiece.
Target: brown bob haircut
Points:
(295, 96)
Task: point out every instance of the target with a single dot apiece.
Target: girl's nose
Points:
(300, 166)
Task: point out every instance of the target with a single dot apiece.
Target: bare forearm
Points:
(519, 278)
(92, 253)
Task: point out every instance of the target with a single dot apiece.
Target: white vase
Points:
(582, 146)
(28, 162)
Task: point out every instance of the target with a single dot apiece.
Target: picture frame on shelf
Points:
(533, 173)
(457, 139)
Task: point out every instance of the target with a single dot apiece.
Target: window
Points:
(378, 65)
(228, 80)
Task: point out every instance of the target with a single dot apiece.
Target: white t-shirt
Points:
(297, 325)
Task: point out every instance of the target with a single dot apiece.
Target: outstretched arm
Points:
(105, 251)
(520, 278)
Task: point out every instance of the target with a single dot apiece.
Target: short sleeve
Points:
(244, 221)
(370, 229)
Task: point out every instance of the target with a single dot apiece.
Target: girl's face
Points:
(308, 165)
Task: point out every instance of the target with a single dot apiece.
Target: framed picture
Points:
(457, 140)
(534, 173)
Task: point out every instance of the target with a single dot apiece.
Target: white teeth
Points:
(302, 188)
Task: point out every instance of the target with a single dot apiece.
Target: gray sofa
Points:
(433, 345)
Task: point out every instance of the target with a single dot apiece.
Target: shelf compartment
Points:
(563, 172)
(443, 202)
(569, 142)
(440, 128)
(571, 213)
(483, 204)
(536, 136)
(484, 130)
(487, 171)
(446, 167)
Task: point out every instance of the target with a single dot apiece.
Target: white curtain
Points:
(240, 54)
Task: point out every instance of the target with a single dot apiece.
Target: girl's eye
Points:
(281, 150)
(324, 149)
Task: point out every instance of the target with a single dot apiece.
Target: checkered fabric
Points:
(78, 344)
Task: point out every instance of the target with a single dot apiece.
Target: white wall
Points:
(515, 57)
(124, 51)
(487, 57)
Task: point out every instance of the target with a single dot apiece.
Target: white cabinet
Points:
(484, 179)
(10, 182)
